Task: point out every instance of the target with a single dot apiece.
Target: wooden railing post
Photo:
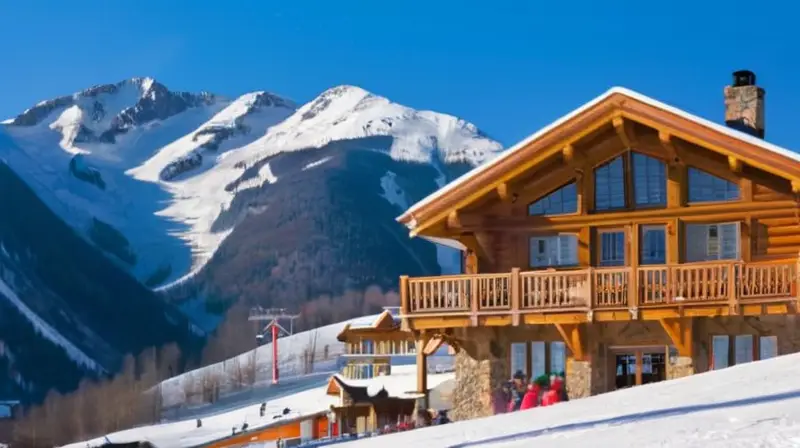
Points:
(590, 288)
(797, 284)
(405, 305)
(473, 300)
(633, 288)
(733, 297)
(515, 288)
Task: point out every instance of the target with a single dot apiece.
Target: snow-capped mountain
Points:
(251, 198)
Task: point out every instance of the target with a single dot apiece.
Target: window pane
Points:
(555, 250)
(518, 357)
(609, 185)
(558, 356)
(719, 348)
(708, 242)
(744, 348)
(704, 187)
(564, 200)
(649, 180)
(538, 359)
(612, 248)
(653, 245)
(767, 347)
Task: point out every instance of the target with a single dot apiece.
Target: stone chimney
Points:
(744, 104)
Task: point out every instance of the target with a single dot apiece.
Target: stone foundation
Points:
(588, 377)
(679, 367)
(479, 373)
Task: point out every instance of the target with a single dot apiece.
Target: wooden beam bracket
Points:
(573, 339)
(634, 313)
(735, 164)
(680, 333)
(666, 142)
(625, 132)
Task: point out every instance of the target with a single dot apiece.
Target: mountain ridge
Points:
(211, 201)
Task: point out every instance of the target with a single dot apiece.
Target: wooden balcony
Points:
(600, 294)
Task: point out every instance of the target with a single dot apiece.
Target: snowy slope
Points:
(755, 404)
(145, 172)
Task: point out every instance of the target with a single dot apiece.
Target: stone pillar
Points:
(481, 367)
(679, 367)
(587, 377)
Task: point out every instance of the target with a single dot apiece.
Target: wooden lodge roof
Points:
(385, 322)
(615, 105)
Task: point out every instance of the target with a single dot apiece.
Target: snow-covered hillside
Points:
(749, 405)
(145, 173)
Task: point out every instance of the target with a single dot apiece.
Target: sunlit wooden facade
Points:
(627, 229)
(369, 348)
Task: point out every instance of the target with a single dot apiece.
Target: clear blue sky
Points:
(508, 66)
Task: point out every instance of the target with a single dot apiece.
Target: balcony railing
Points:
(733, 283)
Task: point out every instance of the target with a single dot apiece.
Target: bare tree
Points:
(251, 367)
(237, 374)
(210, 383)
(189, 387)
(309, 353)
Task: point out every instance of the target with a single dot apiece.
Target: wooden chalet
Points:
(650, 242)
(370, 346)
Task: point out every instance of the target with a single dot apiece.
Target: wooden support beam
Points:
(433, 344)
(422, 366)
(735, 164)
(666, 143)
(569, 154)
(453, 220)
(679, 331)
(624, 132)
(504, 192)
(796, 186)
(573, 339)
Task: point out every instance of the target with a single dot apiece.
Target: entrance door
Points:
(639, 367)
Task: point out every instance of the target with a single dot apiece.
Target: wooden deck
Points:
(600, 294)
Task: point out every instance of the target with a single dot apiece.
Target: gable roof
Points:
(787, 161)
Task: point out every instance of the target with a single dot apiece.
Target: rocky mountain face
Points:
(134, 201)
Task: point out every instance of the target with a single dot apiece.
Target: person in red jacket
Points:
(531, 397)
(553, 395)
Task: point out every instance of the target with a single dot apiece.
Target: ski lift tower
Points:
(273, 317)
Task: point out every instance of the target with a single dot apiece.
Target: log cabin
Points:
(648, 242)
(370, 346)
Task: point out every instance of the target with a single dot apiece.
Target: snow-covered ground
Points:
(290, 360)
(750, 405)
(304, 396)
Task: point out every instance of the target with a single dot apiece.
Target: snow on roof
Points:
(614, 90)
(402, 383)
(186, 434)
(754, 404)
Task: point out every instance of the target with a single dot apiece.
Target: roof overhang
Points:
(614, 104)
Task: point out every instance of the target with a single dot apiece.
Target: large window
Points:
(612, 248)
(653, 246)
(708, 242)
(746, 348)
(562, 201)
(554, 251)
(704, 187)
(609, 185)
(649, 181)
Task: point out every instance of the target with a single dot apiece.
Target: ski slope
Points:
(750, 405)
